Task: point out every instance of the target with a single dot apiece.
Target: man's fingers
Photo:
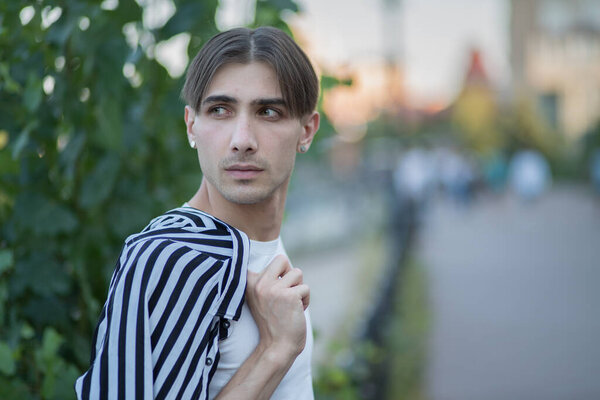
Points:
(303, 292)
(278, 267)
(292, 278)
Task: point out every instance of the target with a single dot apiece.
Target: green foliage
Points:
(402, 355)
(92, 146)
(342, 377)
(407, 338)
(524, 128)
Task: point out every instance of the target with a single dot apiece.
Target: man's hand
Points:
(277, 298)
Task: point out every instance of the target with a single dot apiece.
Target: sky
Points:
(433, 39)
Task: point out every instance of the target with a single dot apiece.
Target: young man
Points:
(176, 323)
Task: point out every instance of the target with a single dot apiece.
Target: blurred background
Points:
(447, 217)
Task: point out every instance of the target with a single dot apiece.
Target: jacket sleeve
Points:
(157, 325)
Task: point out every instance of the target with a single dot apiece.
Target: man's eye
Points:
(219, 111)
(269, 112)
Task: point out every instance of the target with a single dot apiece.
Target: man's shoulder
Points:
(189, 227)
(187, 218)
(187, 239)
(181, 220)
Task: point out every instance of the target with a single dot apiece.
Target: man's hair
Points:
(297, 79)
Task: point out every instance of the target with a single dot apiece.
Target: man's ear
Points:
(189, 117)
(310, 126)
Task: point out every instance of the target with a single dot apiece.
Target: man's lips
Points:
(243, 171)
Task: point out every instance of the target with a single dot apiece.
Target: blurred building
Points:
(474, 110)
(555, 60)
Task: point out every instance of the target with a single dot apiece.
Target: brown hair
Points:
(297, 79)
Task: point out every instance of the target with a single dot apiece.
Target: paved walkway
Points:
(341, 290)
(515, 293)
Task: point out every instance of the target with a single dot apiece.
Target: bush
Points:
(92, 145)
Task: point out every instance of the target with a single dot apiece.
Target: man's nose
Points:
(243, 139)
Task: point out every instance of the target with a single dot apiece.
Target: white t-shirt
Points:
(243, 338)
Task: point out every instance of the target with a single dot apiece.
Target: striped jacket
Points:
(174, 282)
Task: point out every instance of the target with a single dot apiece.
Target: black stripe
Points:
(217, 232)
(196, 358)
(95, 337)
(139, 333)
(183, 236)
(164, 277)
(192, 216)
(103, 384)
(122, 345)
(85, 387)
(156, 232)
(235, 281)
(213, 369)
(198, 391)
(176, 367)
(185, 314)
(173, 299)
(117, 269)
(218, 223)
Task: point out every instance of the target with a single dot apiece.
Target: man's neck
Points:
(261, 221)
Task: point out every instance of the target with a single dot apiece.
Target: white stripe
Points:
(169, 288)
(178, 382)
(183, 336)
(201, 370)
(131, 327)
(177, 310)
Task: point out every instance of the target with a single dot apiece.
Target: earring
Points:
(303, 149)
(192, 144)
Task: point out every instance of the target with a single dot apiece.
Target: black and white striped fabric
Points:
(157, 336)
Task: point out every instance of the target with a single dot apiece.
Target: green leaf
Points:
(35, 212)
(7, 363)
(51, 342)
(23, 139)
(13, 389)
(110, 125)
(6, 260)
(27, 332)
(128, 11)
(187, 17)
(10, 85)
(39, 272)
(329, 82)
(3, 297)
(62, 387)
(60, 31)
(282, 4)
(46, 311)
(70, 154)
(32, 97)
(99, 184)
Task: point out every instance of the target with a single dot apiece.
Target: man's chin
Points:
(246, 197)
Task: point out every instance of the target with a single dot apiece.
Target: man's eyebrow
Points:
(269, 101)
(219, 98)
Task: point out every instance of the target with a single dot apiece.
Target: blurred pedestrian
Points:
(529, 174)
(414, 179)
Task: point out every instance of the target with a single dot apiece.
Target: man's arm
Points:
(277, 299)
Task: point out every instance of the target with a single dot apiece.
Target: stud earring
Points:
(302, 149)
(192, 144)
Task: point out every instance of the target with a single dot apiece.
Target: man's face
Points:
(245, 136)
